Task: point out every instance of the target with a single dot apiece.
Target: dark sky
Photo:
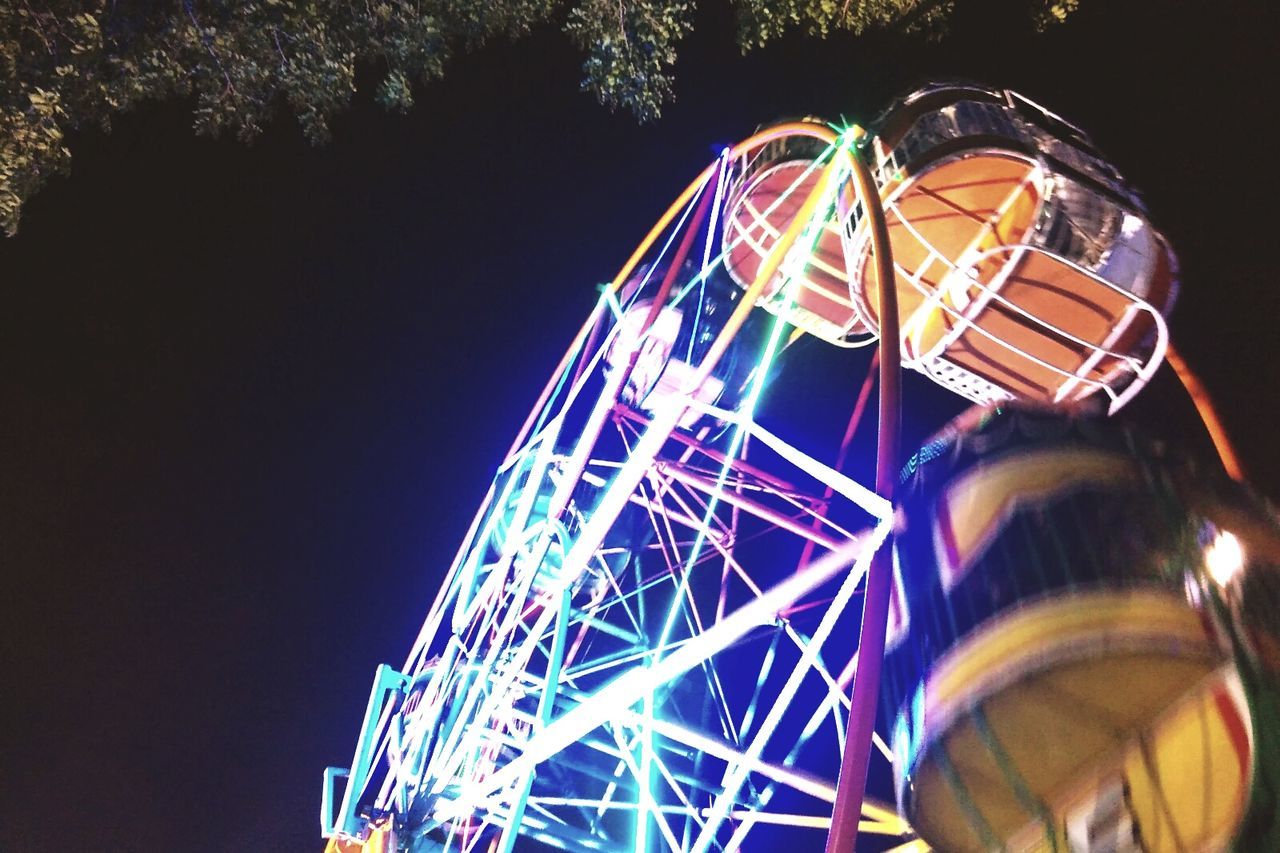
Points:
(250, 396)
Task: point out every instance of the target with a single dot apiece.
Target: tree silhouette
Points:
(68, 64)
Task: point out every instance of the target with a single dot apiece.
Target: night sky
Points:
(251, 396)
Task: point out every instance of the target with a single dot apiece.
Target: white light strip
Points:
(843, 485)
(627, 689)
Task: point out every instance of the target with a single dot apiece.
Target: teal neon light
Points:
(749, 404)
(386, 681)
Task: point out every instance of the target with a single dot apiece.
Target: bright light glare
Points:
(1224, 558)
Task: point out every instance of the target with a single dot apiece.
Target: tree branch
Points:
(207, 42)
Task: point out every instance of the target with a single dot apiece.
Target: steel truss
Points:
(632, 649)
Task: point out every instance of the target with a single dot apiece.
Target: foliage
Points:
(67, 64)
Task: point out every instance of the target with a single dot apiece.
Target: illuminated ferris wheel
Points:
(666, 626)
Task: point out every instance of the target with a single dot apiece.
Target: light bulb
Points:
(1224, 558)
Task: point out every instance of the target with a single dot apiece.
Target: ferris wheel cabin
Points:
(1068, 666)
(1025, 265)
(768, 186)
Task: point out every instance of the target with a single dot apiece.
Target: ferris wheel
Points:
(665, 627)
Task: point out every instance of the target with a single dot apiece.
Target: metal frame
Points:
(527, 682)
